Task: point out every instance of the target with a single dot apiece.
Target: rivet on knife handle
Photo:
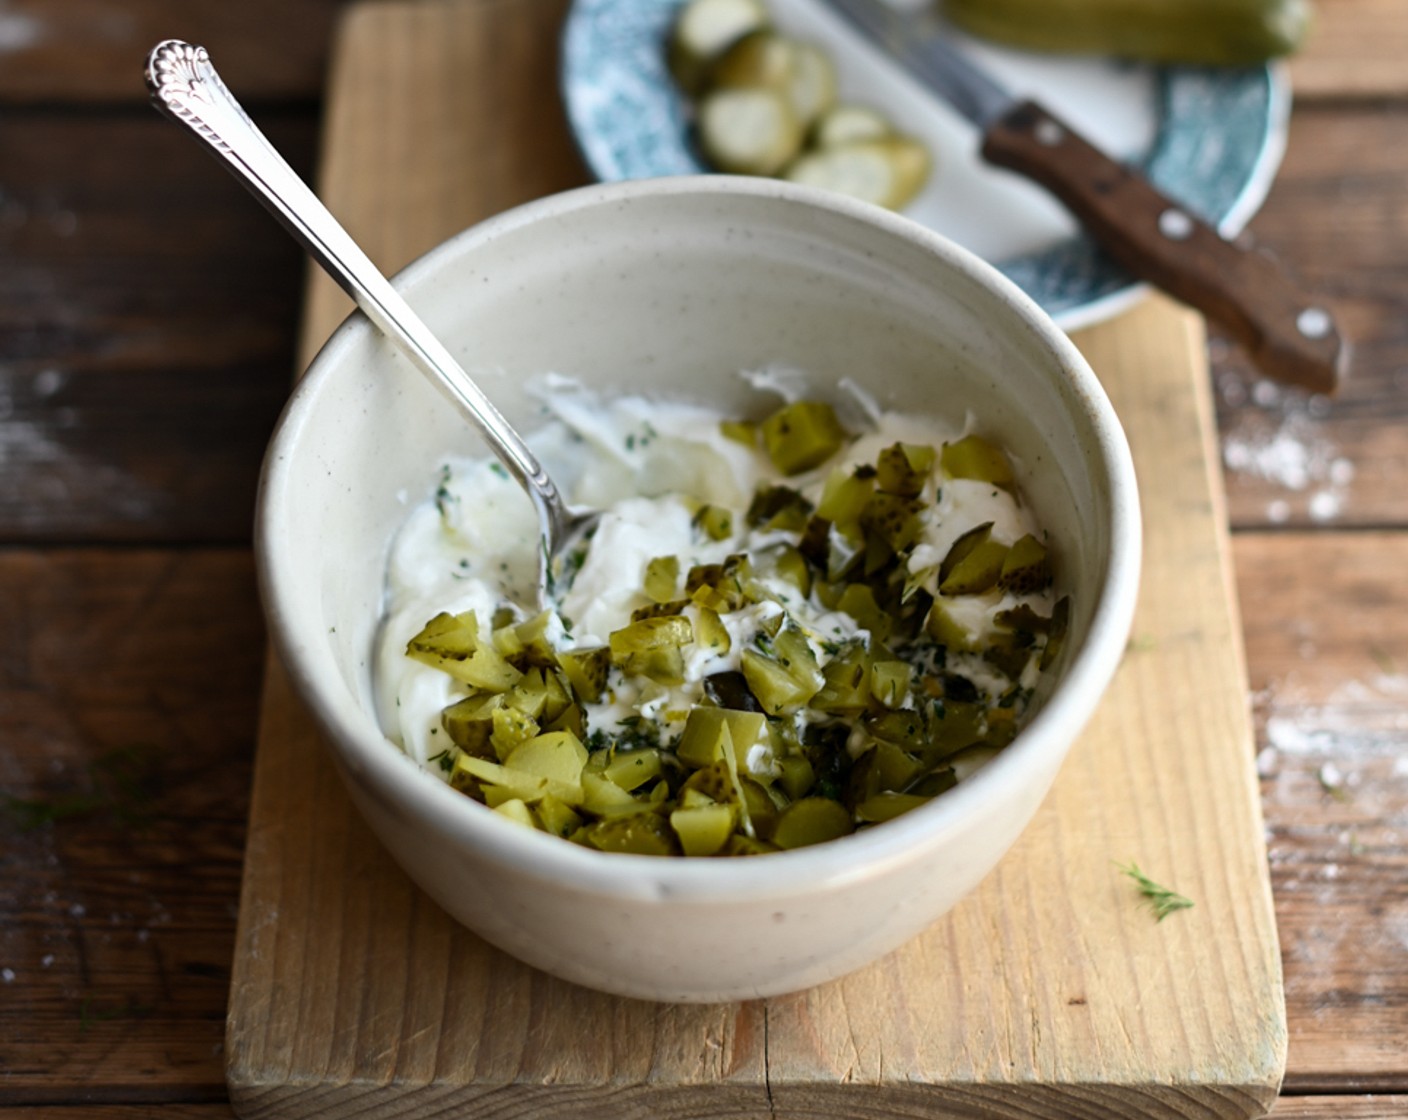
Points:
(1290, 337)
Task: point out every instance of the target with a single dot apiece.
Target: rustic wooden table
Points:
(146, 344)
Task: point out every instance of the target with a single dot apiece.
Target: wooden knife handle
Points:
(1243, 290)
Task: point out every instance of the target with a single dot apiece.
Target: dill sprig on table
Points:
(1162, 901)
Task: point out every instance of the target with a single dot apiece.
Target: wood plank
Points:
(128, 684)
(122, 1112)
(1092, 1008)
(1340, 1108)
(149, 322)
(1356, 49)
(1330, 677)
(75, 51)
(1338, 216)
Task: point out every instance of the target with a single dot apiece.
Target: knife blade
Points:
(1289, 336)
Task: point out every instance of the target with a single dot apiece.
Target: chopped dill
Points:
(1162, 901)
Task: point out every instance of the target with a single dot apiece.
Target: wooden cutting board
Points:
(1050, 993)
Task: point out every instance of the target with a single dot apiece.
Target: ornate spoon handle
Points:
(186, 87)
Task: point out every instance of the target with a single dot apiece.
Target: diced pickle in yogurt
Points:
(818, 631)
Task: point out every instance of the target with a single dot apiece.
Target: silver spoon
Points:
(185, 86)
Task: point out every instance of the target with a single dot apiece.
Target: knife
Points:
(1289, 337)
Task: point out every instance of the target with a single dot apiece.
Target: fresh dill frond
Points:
(1162, 901)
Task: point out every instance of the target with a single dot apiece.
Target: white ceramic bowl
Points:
(669, 287)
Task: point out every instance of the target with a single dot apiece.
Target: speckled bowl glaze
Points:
(669, 287)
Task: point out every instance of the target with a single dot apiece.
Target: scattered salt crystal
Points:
(1234, 391)
(1341, 472)
(77, 910)
(1278, 511)
(1266, 393)
(46, 960)
(1325, 505)
(47, 382)
(1400, 767)
(7, 975)
(142, 935)
(1331, 871)
(1330, 776)
(1266, 760)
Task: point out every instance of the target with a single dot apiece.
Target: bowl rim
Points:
(365, 755)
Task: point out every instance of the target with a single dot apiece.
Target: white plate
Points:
(1209, 138)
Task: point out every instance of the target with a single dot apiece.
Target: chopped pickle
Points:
(662, 578)
(533, 640)
(653, 647)
(558, 817)
(974, 457)
(858, 601)
(529, 695)
(796, 672)
(802, 435)
(845, 496)
(715, 521)
(451, 643)
(886, 806)
(641, 834)
(704, 831)
(586, 670)
(659, 610)
(960, 548)
(740, 431)
(812, 820)
(469, 723)
(977, 572)
(557, 755)
(846, 686)
(1060, 620)
(778, 507)
(944, 628)
(893, 519)
(1025, 568)
(904, 468)
(515, 810)
(706, 738)
(719, 586)
(761, 810)
(784, 676)
(786, 562)
(711, 633)
(889, 682)
(632, 769)
(530, 787)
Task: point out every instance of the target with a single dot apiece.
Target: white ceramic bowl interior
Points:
(670, 287)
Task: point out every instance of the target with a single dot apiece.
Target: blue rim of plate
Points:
(1220, 139)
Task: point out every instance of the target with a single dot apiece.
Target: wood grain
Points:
(1340, 1108)
(67, 51)
(148, 321)
(1339, 217)
(1050, 993)
(127, 681)
(1330, 681)
(1356, 50)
